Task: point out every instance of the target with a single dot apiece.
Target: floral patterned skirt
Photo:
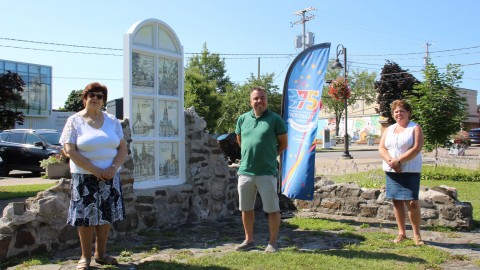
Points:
(94, 202)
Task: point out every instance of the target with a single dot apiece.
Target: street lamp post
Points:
(338, 65)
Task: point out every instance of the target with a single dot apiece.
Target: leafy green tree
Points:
(212, 68)
(11, 87)
(395, 83)
(437, 106)
(361, 84)
(200, 93)
(205, 79)
(237, 101)
(74, 102)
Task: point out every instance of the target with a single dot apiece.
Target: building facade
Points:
(37, 92)
(363, 120)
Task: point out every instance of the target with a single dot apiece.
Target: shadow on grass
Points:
(349, 254)
(176, 266)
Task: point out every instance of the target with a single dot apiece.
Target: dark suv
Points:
(22, 149)
(474, 135)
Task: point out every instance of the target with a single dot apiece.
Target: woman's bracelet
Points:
(115, 166)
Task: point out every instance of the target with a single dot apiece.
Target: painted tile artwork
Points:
(168, 167)
(142, 73)
(167, 77)
(143, 117)
(143, 154)
(168, 118)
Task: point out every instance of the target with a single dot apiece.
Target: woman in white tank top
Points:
(400, 148)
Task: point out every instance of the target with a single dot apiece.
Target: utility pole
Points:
(258, 73)
(303, 20)
(427, 54)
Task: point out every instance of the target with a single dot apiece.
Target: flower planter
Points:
(457, 150)
(58, 170)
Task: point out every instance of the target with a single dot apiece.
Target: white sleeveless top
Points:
(398, 144)
(97, 145)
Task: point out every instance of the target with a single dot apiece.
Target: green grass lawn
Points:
(22, 191)
(375, 250)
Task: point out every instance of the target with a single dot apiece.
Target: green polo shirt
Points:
(259, 142)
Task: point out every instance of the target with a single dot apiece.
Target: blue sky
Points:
(372, 31)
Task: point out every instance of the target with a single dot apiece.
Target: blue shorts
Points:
(402, 186)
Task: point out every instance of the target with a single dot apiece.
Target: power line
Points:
(59, 44)
(49, 50)
(417, 53)
(238, 54)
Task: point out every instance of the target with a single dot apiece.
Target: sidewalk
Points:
(24, 178)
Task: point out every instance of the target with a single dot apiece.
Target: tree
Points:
(395, 83)
(11, 87)
(437, 106)
(361, 84)
(74, 102)
(212, 68)
(237, 101)
(200, 93)
(205, 78)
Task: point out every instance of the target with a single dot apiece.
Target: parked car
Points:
(474, 135)
(22, 149)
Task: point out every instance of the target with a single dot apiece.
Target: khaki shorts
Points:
(266, 186)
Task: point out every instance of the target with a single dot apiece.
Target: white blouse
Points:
(398, 144)
(97, 145)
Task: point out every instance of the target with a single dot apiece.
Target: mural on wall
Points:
(358, 127)
(168, 166)
(168, 118)
(143, 154)
(144, 117)
(142, 73)
(364, 126)
(168, 77)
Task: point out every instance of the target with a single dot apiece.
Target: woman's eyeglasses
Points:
(98, 96)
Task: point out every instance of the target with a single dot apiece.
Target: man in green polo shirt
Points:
(262, 136)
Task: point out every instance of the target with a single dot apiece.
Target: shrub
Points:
(54, 159)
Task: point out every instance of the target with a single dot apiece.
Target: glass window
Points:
(24, 77)
(4, 137)
(46, 75)
(22, 68)
(32, 138)
(165, 41)
(2, 67)
(16, 138)
(10, 67)
(52, 138)
(144, 36)
(34, 78)
(34, 69)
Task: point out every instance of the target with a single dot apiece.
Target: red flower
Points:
(339, 89)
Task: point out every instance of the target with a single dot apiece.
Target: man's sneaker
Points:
(271, 249)
(245, 246)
